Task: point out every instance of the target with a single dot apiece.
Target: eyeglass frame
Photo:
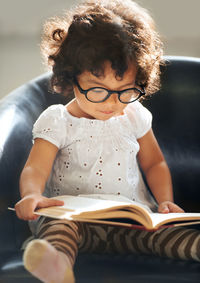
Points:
(110, 92)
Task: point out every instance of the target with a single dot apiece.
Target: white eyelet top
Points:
(95, 156)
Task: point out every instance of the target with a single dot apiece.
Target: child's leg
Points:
(177, 242)
(126, 241)
(51, 257)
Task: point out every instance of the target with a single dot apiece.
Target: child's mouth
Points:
(107, 112)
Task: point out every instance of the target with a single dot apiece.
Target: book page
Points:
(118, 198)
(159, 219)
(95, 207)
(75, 205)
(135, 210)
(95, 202)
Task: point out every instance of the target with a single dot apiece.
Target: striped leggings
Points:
(70, 237)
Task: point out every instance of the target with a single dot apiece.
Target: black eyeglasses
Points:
(100, 94)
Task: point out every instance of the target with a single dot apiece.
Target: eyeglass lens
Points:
(98, 94)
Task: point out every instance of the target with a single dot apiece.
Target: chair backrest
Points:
(176, 124)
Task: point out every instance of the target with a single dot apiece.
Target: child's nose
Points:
(113, 99)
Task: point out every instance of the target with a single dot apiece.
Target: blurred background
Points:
(21, 24)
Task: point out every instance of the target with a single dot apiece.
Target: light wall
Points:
(179, 24)
(21, 21)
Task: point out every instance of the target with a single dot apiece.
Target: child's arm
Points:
(157, 173)
(33, 179)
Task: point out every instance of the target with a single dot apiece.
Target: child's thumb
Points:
(52, 202)
(56, 202)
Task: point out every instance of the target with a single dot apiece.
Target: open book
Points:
(118, 211)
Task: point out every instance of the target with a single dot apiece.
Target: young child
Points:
(108, 54)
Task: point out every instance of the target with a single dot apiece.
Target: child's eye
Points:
(99, 91)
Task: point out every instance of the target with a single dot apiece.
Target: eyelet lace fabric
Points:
(95, 156)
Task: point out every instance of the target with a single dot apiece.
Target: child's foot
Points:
(46, 263)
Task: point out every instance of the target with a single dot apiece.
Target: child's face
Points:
(112, 106)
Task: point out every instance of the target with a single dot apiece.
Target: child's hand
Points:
(168, 206)
(26, 206)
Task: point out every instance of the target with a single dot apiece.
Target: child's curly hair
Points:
(96, 31)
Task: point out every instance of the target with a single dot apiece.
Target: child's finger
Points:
(175, 208)
(163, 208)
(25, 211)
(46, 202)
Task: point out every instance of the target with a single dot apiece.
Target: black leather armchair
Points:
(176, 124)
